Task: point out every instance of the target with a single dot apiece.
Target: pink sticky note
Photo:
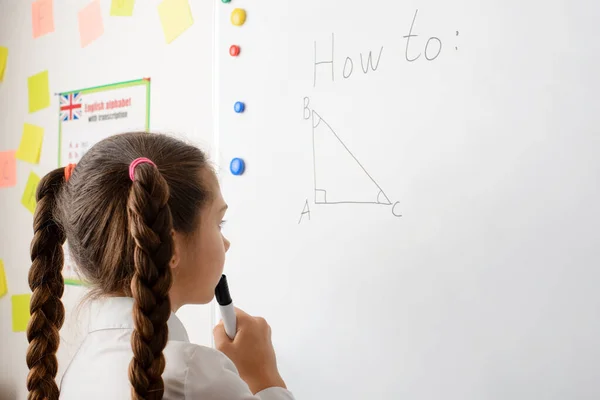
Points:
(42, 17)
(90, 23)
(8, 169)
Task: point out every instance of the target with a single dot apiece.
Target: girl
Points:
(142, 215)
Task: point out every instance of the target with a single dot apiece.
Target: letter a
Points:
(305, 211)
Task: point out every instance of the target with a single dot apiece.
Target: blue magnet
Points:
(239, 107)
(237, 166)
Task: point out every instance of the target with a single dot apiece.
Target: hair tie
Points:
(135, 163)
(69, 171)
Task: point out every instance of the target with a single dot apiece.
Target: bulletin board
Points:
(87, 116)
(92, 52)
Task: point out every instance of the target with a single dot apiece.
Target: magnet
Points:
(238, 17)
(239, 107)
(234, 50)
(237, 166)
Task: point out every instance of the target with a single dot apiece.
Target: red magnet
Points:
(234, 50)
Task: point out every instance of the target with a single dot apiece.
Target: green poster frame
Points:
(106, 88)
(96, 89)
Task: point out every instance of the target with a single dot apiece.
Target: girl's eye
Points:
(221, 224)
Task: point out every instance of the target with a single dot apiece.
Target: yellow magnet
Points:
(238, 17)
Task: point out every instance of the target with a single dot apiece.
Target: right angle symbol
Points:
(339, 177)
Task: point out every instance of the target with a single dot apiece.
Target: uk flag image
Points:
(70, 106)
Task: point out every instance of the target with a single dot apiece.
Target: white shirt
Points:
(99, 369)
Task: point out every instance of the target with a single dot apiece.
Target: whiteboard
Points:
(448, 155)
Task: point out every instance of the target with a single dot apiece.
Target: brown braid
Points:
(119, 236)
(47, 285)
(150, 225)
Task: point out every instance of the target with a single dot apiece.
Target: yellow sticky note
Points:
(3, 61)
(31, 144)
(91, 26)
(175, 17)
(122, 8)
(20, 312)
(28, 199)
(3, 285)
(39, 91)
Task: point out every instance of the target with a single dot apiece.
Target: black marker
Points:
(226, 306)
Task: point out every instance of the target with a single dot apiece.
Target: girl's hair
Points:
(119, 233)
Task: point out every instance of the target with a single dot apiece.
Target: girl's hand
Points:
(251, 351)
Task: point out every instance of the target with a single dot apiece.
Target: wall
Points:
(130, 48)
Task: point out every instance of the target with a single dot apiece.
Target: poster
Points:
(87, 116)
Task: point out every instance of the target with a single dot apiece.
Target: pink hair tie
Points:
(135, 163)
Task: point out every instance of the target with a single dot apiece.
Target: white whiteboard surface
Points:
(486, 287)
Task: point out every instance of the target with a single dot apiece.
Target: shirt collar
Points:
(116, 313)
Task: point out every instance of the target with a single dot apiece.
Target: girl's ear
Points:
(177, 248)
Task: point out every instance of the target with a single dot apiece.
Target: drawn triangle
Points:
(339, 175)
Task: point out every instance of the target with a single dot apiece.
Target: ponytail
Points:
(150, 226)
(47, 284)
(120, 239)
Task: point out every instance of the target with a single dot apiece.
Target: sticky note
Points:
(20, 312)
(122, 8)
(39, 91)
(42, 17)
(175, 17)
(28, 199)
(3, 285)
(31, 144)
(8, 169)
(3, 61)
(90, 23)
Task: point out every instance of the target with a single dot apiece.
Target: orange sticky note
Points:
(175, 17)
(3, 285)
(28, 199)
(39, 91)
(30, 147)
(8, 169)
(3, 61)
(42, 17)
(20, 312)
(122, 8)
(90, 23)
